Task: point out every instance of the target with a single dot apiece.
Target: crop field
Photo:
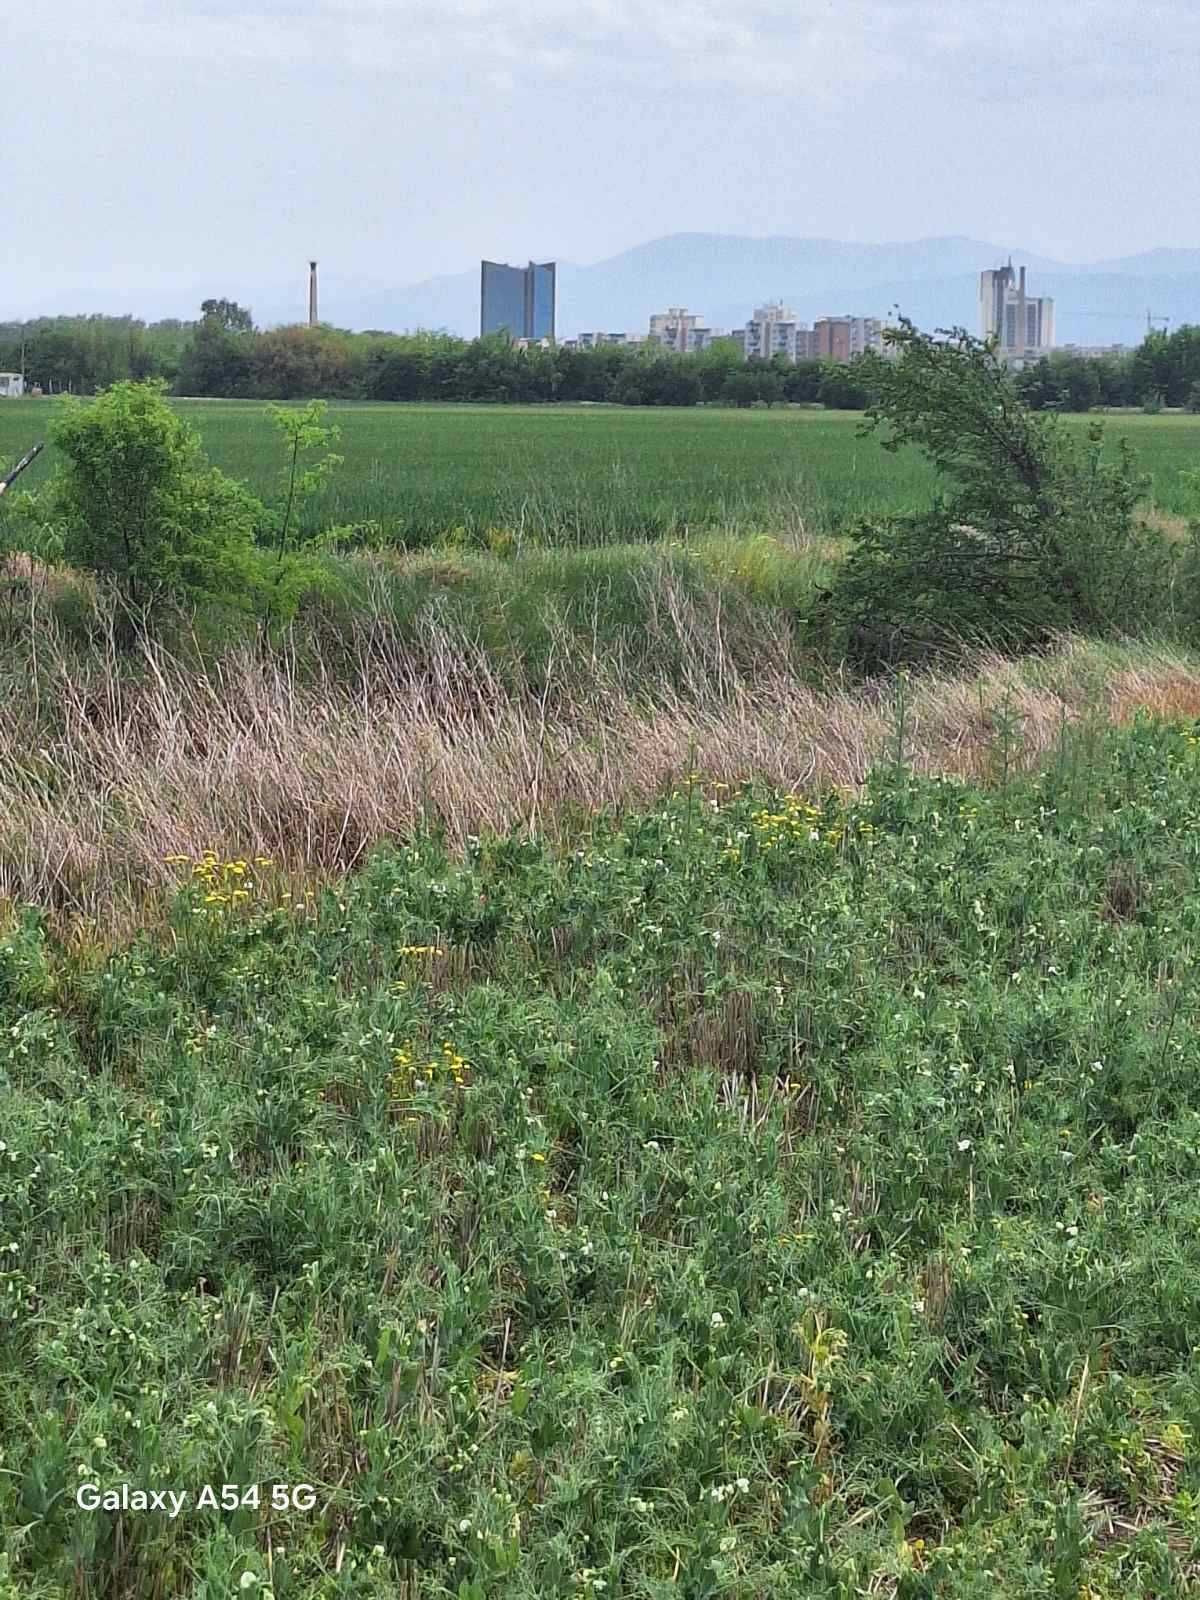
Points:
(759, 1197)
(592, 475)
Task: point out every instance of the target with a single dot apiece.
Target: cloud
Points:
(988, 48)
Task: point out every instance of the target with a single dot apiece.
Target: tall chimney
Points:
(312, 294)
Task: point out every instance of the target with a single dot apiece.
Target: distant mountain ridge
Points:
(725, 276)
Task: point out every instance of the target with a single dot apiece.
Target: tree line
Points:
(223, 355)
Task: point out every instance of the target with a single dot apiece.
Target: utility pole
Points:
(312, 294)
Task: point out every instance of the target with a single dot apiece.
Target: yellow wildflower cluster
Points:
(798, 821)
(408, 1075)
(419, 950)
(223, 884)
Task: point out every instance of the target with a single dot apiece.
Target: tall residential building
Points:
(519, 300)
(844, 338)
(774, 330)
(1022, 324)
(680, 330)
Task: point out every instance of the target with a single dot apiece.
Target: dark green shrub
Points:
(1035, 532)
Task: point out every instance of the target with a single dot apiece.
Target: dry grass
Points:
(104, 772)
(1173, 527)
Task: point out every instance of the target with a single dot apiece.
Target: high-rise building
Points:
(519, 300)
(844, 338)
(774, 330)
(680, 330)
(1022, 324)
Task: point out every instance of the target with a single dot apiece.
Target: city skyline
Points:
(933, 281)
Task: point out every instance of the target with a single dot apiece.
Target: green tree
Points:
(740, 388)
(715, 365)
(143, 509)
(1032, 532)
(228, 315)
(219, 360)
(846, 385)
(802, 382)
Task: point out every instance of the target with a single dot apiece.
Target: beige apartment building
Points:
(681, 330)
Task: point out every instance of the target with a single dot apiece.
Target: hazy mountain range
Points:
(723, 277)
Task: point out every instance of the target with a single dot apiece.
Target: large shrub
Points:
(142, 508)
(1033, 532)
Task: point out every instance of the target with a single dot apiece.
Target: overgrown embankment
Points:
(476, 695)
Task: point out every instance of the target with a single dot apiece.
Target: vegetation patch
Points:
(758, 1194)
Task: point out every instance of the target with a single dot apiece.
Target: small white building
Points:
(12, 385)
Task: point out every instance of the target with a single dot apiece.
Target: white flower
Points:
(964, 1144)
(465, 1525)
(717, 1320)
(247, 1580)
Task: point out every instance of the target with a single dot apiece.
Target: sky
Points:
(159, 151)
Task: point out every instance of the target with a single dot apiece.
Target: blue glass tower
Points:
(519, 300)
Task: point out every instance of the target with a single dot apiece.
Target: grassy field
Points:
(590, 475)
(754, 1197)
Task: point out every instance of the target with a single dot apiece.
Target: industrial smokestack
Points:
(312, 294)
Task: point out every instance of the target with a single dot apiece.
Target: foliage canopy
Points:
(1032, 533)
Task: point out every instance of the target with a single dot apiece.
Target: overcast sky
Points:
(157, 150)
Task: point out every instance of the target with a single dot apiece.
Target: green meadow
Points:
(598, 474)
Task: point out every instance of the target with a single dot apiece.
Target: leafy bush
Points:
(1036, 533)
(143, 509)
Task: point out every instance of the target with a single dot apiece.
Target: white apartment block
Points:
(775, 330)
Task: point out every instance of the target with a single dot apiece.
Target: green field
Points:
(757, 1198)
(593, 475)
